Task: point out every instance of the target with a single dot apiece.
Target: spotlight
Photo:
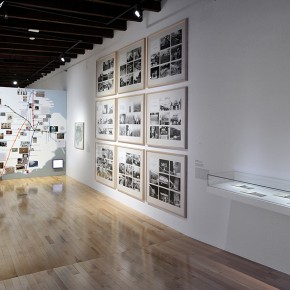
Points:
(6, 15)
(32, 38)
(1, 4)
(138, 11)
(15, 83)
(62, 59)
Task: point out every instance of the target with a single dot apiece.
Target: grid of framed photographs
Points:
(167, 118)
(130, 165)
(167, 55)
(123, 119)
(106, 76)
(131, 63)
(166, 182)
(105, 164)
(105, 119)
(131, 119)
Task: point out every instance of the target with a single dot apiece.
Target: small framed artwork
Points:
(79, 135)
(105, 119)
(167, 118)
(131, 119)
(131, 67)
(166, 182)
(105, 164)
(106, 76)
(130, 165)
(167, 55)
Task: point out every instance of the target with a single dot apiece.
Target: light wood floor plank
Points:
(81, 239)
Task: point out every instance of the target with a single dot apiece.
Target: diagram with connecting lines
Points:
(33, 127)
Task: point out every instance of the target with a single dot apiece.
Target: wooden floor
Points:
(79, 239)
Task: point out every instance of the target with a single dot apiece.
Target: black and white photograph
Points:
(105, 160)
(106, 76)
(131, 119)
(131, 64)
(167, 55)
(105, 119)
(166, 182)
(130, 163)
(167, 115)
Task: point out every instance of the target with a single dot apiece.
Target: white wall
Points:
(238, 88)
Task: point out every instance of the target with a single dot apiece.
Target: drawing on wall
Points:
(106, 76)
(105, 164)
(79, 135)
(130, 164)
(131, 119)
(166, 182)
(32, 130)
(167, 118)
(167, 55)
(105, 119)
(131, 63)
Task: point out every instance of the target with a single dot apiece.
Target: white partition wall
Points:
(238, 118)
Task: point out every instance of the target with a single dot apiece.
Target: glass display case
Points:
(265, 192)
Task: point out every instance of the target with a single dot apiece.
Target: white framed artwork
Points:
(167, 55)
(167, 118)
(105, 119)
(131, 119)
(131, 67)
(166, 182)
(130, 176)
(106, 75)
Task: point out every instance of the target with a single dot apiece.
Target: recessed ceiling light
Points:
(32, 38)
(34, 30)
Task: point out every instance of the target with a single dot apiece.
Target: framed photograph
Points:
(79, 135)
(166, 182)
(167, 118)
(105, 164)
(106, 76)
(167, 55)
(105, 119)
(131, 67)
(130, 165)
(131, 119)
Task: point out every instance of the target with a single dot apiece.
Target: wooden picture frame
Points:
(167, 118)
(131, 119)
(106, 119)
(106, 75)
(105, 164)
(130, 175)
(166, 182)
(131, 67)
(167, 55)
(79, 135)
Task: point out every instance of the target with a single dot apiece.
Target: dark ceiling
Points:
(66, 29)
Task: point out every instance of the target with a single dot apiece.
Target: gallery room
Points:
(144, 144)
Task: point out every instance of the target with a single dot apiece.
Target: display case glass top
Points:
(251, 188)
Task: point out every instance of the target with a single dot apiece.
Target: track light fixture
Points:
(15, 83)
(138, 11)
(1, 4)
(62, 59)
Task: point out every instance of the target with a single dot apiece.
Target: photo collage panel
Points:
(130, 171)
(166, 118)
(130, 71)
(165, 181)
(166, 58)
(106, 76)
(130, 115)
(105, 164)
(105, 119)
